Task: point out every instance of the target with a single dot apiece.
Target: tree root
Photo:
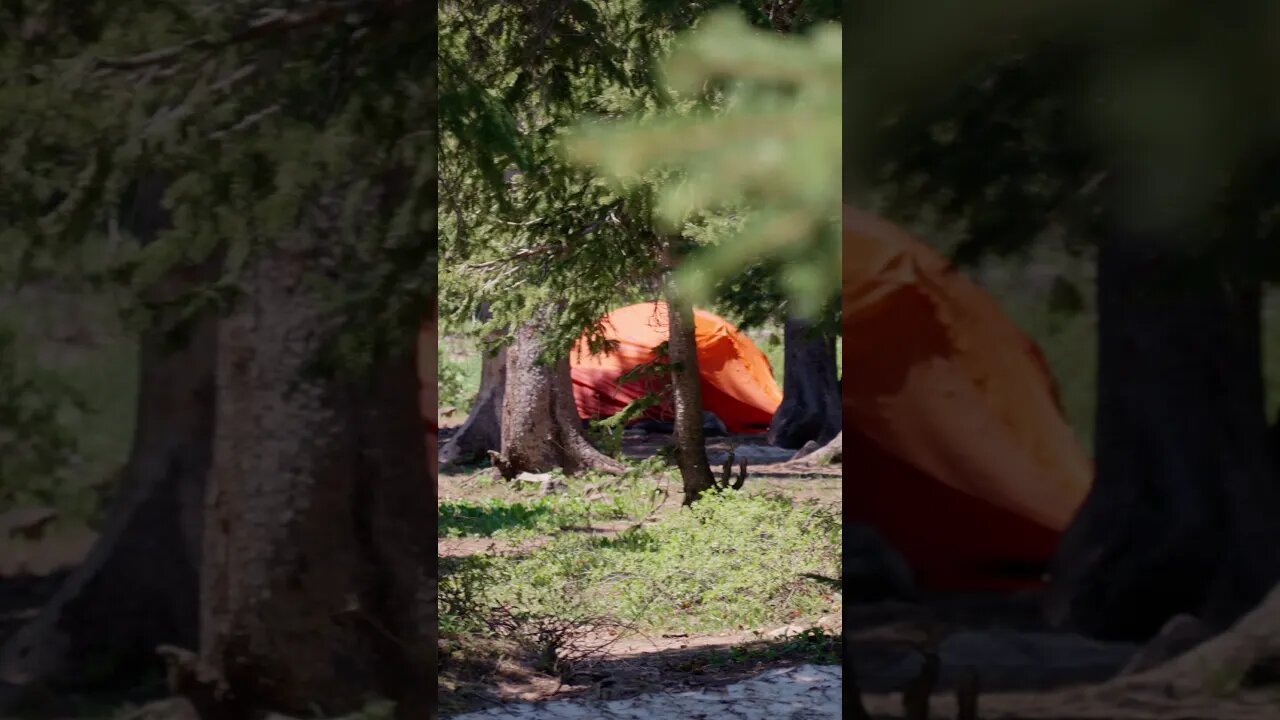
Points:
(726, 481)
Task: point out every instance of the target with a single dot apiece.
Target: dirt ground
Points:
(1024, 669)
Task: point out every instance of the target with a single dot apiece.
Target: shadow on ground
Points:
(476, 674)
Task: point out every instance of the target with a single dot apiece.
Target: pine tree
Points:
(248, 136)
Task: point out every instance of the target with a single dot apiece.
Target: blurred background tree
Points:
(1143, 135)
(154, 157)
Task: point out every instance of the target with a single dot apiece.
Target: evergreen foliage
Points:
(1013, 118)
(251, 113)
(761, 144)
(522, 225)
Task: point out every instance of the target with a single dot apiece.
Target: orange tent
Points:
(737, 381)
(960, 453)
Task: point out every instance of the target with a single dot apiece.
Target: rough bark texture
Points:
(319, 543)
(541, 429)
(1182, 515)
(138, 587)
(810, 408)
(429, 393)
(429, 407)
(686, 396)
(482, 430)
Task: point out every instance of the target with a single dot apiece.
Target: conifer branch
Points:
(272, 23)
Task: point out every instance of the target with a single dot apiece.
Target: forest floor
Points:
(639, 653)
(638, 595)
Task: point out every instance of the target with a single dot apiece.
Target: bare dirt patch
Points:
(632, 666)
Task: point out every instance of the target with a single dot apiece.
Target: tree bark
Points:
(686, 396)
(429, 392)
(810, 408)
(319, 542)
(482, 430)
(541, 429)
(138, 587)
(1181, 518)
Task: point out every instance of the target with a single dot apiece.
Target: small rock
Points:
(831, 623)
(529, 477)
(785, 631)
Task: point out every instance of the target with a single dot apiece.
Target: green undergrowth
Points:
(733, 561)
(582, 503)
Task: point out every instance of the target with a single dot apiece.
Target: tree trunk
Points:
(686, 395)
(317, 591)
(1181, 518)
(541, 429)
(138, 587)
(482, 430)
(429, 392)
(810, 408)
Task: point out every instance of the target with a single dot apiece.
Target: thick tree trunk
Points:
(317, 591)
(482, 430)
(1182, 515)
(686, 397)
(541, 429)
(138, 587)
(810, 408)
(429, 392)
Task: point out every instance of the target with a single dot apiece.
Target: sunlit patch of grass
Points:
(583, 501)
(733, 561)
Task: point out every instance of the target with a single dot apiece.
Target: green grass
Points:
(733, 561)
(586, 500)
